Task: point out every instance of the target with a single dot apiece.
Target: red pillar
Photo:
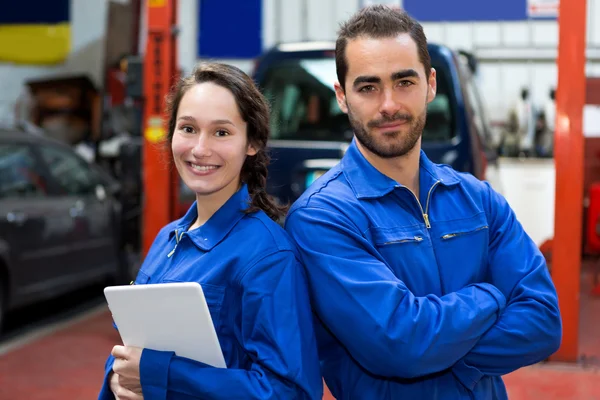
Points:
(568, 155)
(160, 69)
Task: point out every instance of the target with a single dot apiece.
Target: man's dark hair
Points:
(379, 21)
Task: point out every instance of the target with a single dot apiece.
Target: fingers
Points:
(131, 384)
(121, 367)
(119, 352)
(122, 393)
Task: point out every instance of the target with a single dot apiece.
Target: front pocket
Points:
(414, 239)
(449, 236)
(214, 296)
(407, 252)
(461, 247)
(396, 235)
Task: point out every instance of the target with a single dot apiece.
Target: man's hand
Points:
(125, 380)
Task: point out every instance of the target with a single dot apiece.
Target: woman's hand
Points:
(125, 380)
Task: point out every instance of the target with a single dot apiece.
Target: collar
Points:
(368, 183)
(219, 225)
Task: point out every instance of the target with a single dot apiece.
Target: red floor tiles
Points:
(68, 364)
(65, 365)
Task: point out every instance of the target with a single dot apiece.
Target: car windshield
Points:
(304, 106)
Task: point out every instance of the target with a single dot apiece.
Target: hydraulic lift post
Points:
(160, 181)
(568, 158)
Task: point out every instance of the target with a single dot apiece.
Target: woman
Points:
(229, 243)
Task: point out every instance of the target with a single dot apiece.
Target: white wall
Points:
(513, 54)
(88, 27)
(507, 49)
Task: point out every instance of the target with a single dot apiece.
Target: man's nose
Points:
(389, 104)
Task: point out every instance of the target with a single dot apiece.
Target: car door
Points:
(92, 243)
(309, 132)
(31, 225)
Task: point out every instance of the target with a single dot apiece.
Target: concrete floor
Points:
(68, 363)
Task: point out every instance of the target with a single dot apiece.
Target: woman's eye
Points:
(221, 133)
(188, 129)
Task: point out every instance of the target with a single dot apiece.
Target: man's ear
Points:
(340, 95)
(431, 86)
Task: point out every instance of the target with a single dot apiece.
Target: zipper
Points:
(426, 211)
(177, 239)
(414, 239)
(453, 235)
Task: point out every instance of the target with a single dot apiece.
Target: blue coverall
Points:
(429, 298)
(258, 298)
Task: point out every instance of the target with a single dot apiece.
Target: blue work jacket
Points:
(429, 298)
(258, 298)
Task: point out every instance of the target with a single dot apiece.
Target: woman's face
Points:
(210, 141)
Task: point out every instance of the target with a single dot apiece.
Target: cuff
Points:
(154, 373)
(105, 392)
(496, 294)
(467, 375)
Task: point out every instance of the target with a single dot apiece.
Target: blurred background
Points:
(84, 186)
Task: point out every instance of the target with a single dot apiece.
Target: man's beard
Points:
(398, 143)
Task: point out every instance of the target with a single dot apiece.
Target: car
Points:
(59, 221)
(309, 132)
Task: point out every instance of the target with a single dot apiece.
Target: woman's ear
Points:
(251, 151)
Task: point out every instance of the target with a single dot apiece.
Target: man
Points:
(546, 140)
(424, 284)
(526, 116)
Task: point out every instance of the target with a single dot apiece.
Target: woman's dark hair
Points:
(379, 21)
(254, 109)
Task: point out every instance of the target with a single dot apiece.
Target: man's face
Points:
(386, 94)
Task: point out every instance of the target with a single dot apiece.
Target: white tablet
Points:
(166, 317)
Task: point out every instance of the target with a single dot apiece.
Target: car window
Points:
(19, 176)
(73, 175)
(304, 106)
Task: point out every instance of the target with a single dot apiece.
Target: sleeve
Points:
(393, 333)
(105, 392)
(276, 332)
(529, 330)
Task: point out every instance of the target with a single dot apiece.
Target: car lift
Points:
(160, 181)
(568, 159)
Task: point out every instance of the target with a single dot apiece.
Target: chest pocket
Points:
(462, 250)
(214, 296)
(407, 251)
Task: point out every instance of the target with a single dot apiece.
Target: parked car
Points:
(310, 133)
(59, 221)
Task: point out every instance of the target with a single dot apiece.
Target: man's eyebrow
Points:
(366, 79)
(407, 73)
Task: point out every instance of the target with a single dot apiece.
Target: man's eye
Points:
(366, 89)
(405, 83)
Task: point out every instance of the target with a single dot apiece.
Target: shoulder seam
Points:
(244, 272)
